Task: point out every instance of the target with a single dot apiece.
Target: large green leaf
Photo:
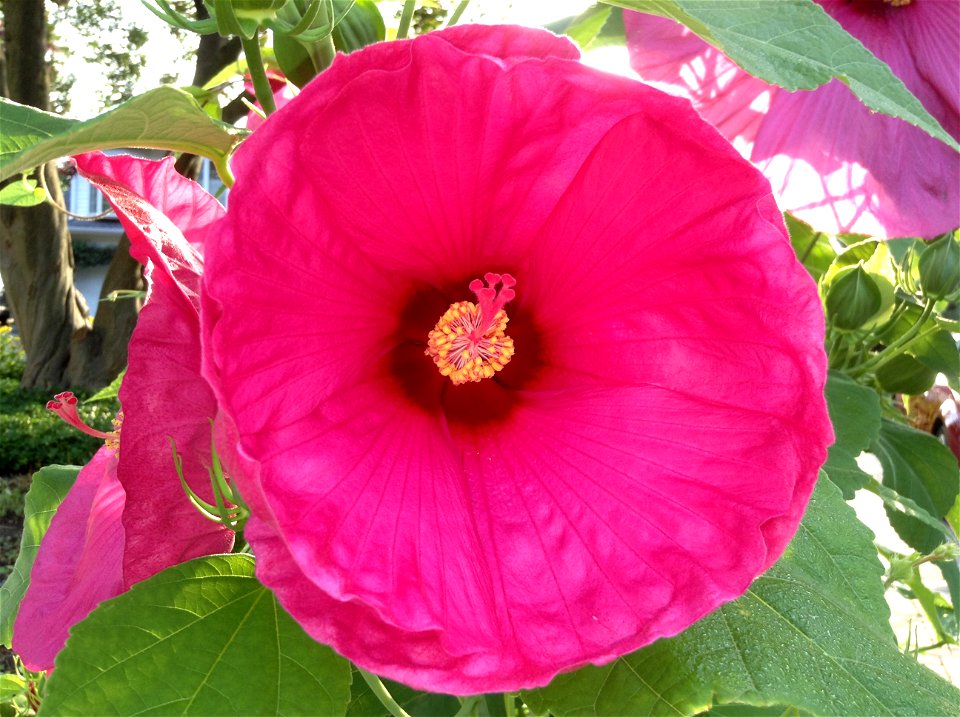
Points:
(48, 487)
(916, 465)
(795, 44)
(163, 118)
(855, 414)
(201, 638)
(812, 632)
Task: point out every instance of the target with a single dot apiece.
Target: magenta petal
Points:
(647, 452)
(78, 565)
(831, 161)
(185, 203)
(163, 396)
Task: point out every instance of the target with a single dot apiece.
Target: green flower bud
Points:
(939, 267)
(853, 298)
(259, 10)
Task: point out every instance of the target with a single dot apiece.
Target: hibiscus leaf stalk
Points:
(258, 75)
(382, 693)
(405, 17)
(455, 17)
(469, 706)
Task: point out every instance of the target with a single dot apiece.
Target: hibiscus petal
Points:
(79, 563)
(831, 161)
(484, 537)
(477, 163)
(163, 395)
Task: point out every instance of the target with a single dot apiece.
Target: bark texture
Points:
(36, 261)
(64, 348)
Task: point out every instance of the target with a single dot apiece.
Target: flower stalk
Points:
(258, 75)
(382, 693)
(405, 17)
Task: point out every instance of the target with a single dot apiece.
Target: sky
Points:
(164, 52)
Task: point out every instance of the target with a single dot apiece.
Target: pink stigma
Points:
(65, 405)
(489, 300)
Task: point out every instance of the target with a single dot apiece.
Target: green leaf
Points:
(24, 193)
(363, 703)
(812, 632)
(163, 118)
(796, 45)
(813, 249)
(108, 392)
(361, 26)
(598, 26)
(201, 638)
(905, 374)
(934, 346)
(917, 466)
(48, 487)
(855, 414)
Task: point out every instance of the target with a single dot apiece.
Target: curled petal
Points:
(163, 396)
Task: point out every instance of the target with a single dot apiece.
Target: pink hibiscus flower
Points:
(831, 161)
(127, 517)
(517, 366)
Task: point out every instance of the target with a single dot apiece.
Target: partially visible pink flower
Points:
(832, 162)
(641, 447)
(79, 563)
(282, 91)
(127, 518)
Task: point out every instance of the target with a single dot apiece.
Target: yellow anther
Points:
(463, 350)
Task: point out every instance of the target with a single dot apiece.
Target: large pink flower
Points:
(832, 161)
(128, 517)
(654, 430)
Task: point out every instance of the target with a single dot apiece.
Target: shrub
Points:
(32, 437)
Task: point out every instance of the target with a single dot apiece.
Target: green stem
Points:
(892, 350)
(261, 85)
(455, 18)
(468, 705)
(510, 703)
(326, 51)
(405, 17)
(383, 694)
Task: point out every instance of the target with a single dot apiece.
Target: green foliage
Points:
(86, 254)
(12, 357)
(598, 26)
(795, 44)
(202, 638)
(855, 414)
(939, 266)
(163, 118)
(854, 298)
(918, 466)
(24, 193)
(364, 703)
(47, 490)
(30, 436)
(812, 632)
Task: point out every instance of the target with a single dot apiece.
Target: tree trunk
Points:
(36, 261)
